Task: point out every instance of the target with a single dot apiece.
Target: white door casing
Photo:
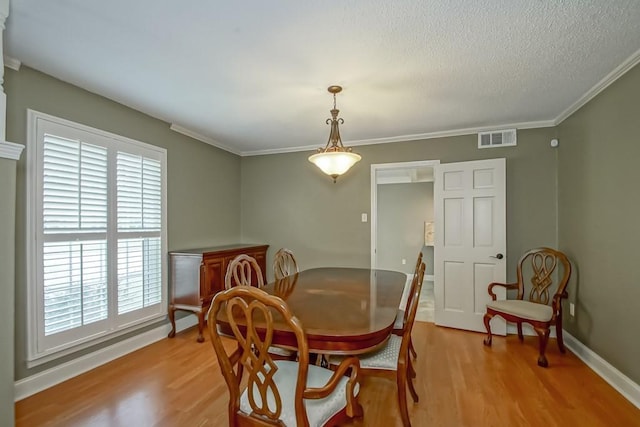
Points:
(470, 232)
(375, 170)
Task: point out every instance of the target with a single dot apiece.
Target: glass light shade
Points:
(334, 163)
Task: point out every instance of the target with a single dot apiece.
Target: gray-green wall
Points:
(7, 288)
(599, 229)
(203, 181)
(402, 212)
(287, 202)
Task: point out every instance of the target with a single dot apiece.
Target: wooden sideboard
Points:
(196, 275)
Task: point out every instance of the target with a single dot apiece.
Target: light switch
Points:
(364, 217)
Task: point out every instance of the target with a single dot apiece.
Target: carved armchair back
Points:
(543, 275)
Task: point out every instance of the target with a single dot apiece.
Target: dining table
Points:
(342, 310)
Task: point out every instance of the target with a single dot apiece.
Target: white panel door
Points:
(470, 241)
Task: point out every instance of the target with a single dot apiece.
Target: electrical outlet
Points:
(404, 261)
(572, 309)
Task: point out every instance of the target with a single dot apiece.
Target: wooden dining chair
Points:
(284, 263)
(392, 360)
(401, 317)
(284, 286)
(245, 271)
(263, 391)
(543, 271)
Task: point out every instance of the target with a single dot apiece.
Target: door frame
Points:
(374, 196)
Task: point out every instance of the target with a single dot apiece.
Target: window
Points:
(97, 235)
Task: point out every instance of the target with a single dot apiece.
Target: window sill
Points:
(38, 360)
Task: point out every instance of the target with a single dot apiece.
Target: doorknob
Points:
(498, 256)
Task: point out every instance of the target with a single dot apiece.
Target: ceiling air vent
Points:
(497, 138)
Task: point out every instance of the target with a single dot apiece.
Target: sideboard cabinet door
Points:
(212, 281)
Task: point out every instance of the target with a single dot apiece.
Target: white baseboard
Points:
(50, 377)
(623, 384)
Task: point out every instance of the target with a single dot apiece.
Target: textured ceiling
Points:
(252, 75)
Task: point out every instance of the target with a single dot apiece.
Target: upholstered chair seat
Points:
(524, 309)
(318, 410)
(385, 358)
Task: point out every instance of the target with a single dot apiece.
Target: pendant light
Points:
(334, 159)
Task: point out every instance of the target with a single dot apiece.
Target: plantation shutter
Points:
(139, 225)
(74, 212)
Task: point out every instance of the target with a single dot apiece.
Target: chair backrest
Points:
(418, 262)
(284, 287)
(412, 304)
(241, 272)
(543, 275)
(284, 264)
(251, 314)
(412, 287)
(407, 292)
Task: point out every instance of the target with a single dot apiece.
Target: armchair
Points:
(541, 309)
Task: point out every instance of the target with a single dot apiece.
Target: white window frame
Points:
(41, 351)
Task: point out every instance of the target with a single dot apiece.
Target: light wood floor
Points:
(176, 382)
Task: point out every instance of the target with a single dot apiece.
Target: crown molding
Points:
(10, 150)
(191, 134)
(12, 63)
(279, 150)
(405, 138)
(454, 132)
(618, 72)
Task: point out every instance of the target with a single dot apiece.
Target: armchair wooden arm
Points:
(354, 409)
(319, 393)
(504, 285)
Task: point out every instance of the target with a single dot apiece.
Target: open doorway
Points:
(402, 215)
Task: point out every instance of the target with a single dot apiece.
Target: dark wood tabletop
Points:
(342, 310)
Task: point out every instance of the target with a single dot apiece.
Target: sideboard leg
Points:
(200, 325)
(172, 319)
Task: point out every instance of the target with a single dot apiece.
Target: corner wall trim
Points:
(607, 80)
(10, 150)
(615, 378)
(202, 138)
(42, 380)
